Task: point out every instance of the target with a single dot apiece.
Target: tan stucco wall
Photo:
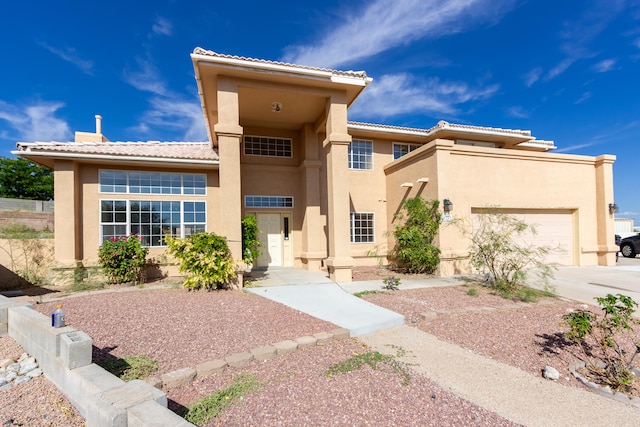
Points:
(475, 177)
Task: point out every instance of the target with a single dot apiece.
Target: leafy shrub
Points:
(600, 339)
(391, 283)
(250, 242)
(497, 251)
(414, 250)
(206, 260)
(123, 259)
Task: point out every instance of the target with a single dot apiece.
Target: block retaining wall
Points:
(64, 354)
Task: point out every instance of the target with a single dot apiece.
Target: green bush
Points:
(123, 259)
(600, 340)
(206, 260)
(414, 250)
(250, 242)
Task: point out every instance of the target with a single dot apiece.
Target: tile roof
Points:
(152, 149)
(204, 52)
(443, 125)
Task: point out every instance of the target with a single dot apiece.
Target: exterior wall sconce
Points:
(447, 205)
(613, 208)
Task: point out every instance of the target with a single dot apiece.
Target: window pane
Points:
(360, 154)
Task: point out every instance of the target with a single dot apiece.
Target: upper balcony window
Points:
(269, 147)
(401, 149)
(132, 182)
(361, 154)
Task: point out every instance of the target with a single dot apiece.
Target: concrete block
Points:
(340, 333)
(149, 413)
(178, 378)
(109, 408)
(82, 383)
(323, 337)
(306, 341)
(239, 360)
(5, 304)
(285, 347)
(211, 367)
(264, 353)
(75, 349)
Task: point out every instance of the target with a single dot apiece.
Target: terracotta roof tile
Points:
(162, 150)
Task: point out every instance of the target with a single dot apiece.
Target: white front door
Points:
(270, 236)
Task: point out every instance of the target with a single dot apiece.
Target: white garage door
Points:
(554, 229)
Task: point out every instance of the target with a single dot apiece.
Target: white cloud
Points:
(604, 65)
(583, 98)
(532, 76)
(397, 94)
(518, 112)
(162, 27)
(384, 25)
(70, 55)
(146, 78)
(36, 122)
(176, 114)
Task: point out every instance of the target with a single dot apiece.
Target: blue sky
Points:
(567, 70)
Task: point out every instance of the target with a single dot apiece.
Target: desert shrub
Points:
(250, 242)
(205, 259)
(391, 283)
(498, 251)
(600, 339)
(417, 227)
(29, 253)
(123, 259)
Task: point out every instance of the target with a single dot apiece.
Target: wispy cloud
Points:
(532, 76)
(162, 27)
(584, 97)
(383, 25)
(397, 94)
(71, 55)
(36, 121)
(146, 78)
(604, 66)
(172, 113)
(518, 112)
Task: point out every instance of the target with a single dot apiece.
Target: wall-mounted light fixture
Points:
(276, 106)
(613, 208)
(447, 205)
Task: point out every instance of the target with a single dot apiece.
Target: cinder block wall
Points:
(64, 354)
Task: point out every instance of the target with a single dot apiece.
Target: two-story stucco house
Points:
(324, 189)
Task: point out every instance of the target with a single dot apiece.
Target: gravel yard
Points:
(181, 329)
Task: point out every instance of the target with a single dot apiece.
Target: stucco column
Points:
(604, 196)
(314, 248)
(67, 218)
(229, 135)
(339, 262)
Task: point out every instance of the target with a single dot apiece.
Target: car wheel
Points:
(627, 250)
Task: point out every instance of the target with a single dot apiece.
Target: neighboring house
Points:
(324, 190)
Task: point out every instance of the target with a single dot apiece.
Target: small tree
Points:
(498, 251)
(123, 259)
(600, 339)
(419, 224)
(250, 242)
(206, 260)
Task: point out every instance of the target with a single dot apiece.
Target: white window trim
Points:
(372, 156)
(244, 146)
(405, 144)
(128, 185)
(268, 207)
(352, 234)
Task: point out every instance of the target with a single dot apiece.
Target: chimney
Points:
(98, 124)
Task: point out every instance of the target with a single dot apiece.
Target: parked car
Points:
(630, 246)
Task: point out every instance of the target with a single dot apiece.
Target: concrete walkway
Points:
(512, 393)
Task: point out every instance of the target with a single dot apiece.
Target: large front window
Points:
(362, 227)
(134, 182)
(361, 154)
(151, 220)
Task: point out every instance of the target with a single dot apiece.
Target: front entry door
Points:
(270, 236)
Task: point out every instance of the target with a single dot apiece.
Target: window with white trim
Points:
(362, 227)
(268, 201)
(151, 220)
(402, 149)
(361, 154)
(266, 146)
(136, 182)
